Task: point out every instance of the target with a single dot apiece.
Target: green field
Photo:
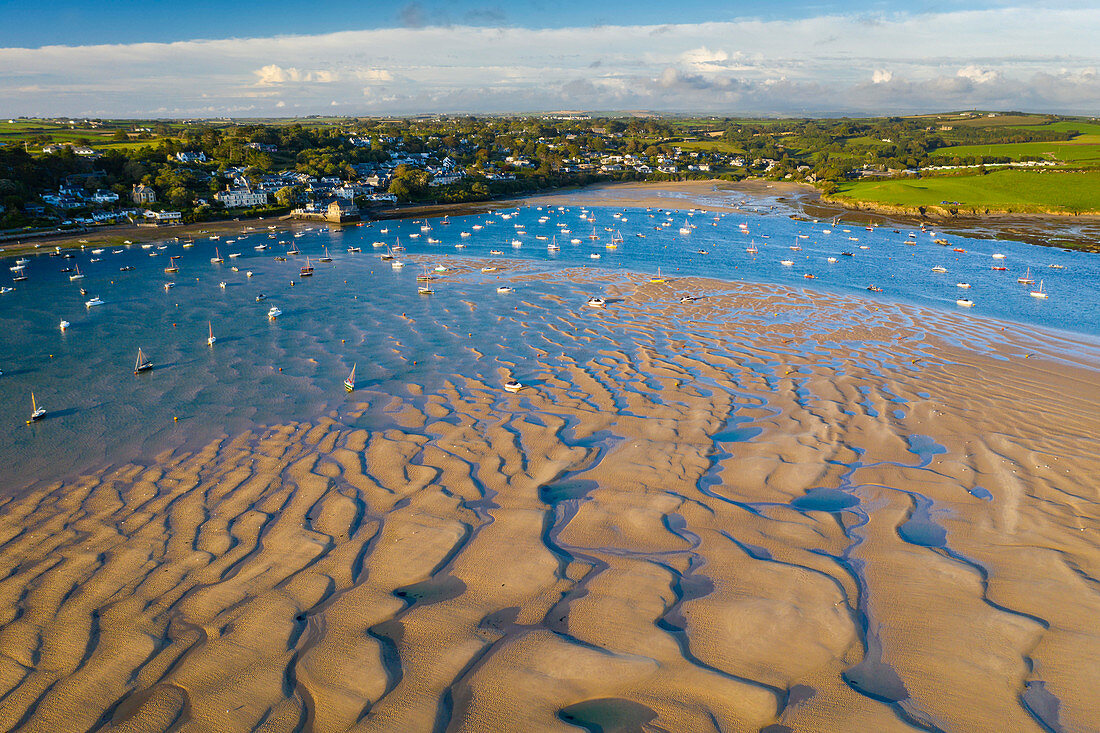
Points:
(99, 138)
(1010, 190)
(1082, 149)
(1090, 128)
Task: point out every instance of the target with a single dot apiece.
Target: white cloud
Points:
(274, 74)
(829, 64)
(977, 74)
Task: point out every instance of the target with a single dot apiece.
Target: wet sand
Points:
(779, 508)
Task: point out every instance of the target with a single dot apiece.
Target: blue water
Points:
(359, 310)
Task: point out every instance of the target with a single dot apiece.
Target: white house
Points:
(189, 157)
(241, 197)
(103, 196)
(163, 217)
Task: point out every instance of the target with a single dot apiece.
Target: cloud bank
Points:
(1003, 59)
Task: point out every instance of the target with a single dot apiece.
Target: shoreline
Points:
(798, 199)
(716, 506)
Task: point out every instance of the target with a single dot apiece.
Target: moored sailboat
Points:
(36, 411)
(142, 364)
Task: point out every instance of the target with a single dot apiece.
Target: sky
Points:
(122, 58)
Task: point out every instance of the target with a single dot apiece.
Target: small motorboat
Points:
(505, 289)
(513, 386)
(95, 300)
(64, 324)
(274, 312)
(965, 302)
(596, 302)
(962, 285)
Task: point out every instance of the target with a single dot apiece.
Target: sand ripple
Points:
(759, 510)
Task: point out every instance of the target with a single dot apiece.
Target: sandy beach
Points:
(777, 509)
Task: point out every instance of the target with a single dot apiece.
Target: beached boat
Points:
(1040, 293)
(596, 302)
(349, 383)
(513, 386)
(37, 413)
(659, 278)
(307, 269)
(142, 364)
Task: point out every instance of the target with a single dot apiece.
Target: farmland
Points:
(1002, 191)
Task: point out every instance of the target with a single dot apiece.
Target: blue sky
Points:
(79, 22)
(282, 58)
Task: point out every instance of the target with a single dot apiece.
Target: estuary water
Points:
(359, 310)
